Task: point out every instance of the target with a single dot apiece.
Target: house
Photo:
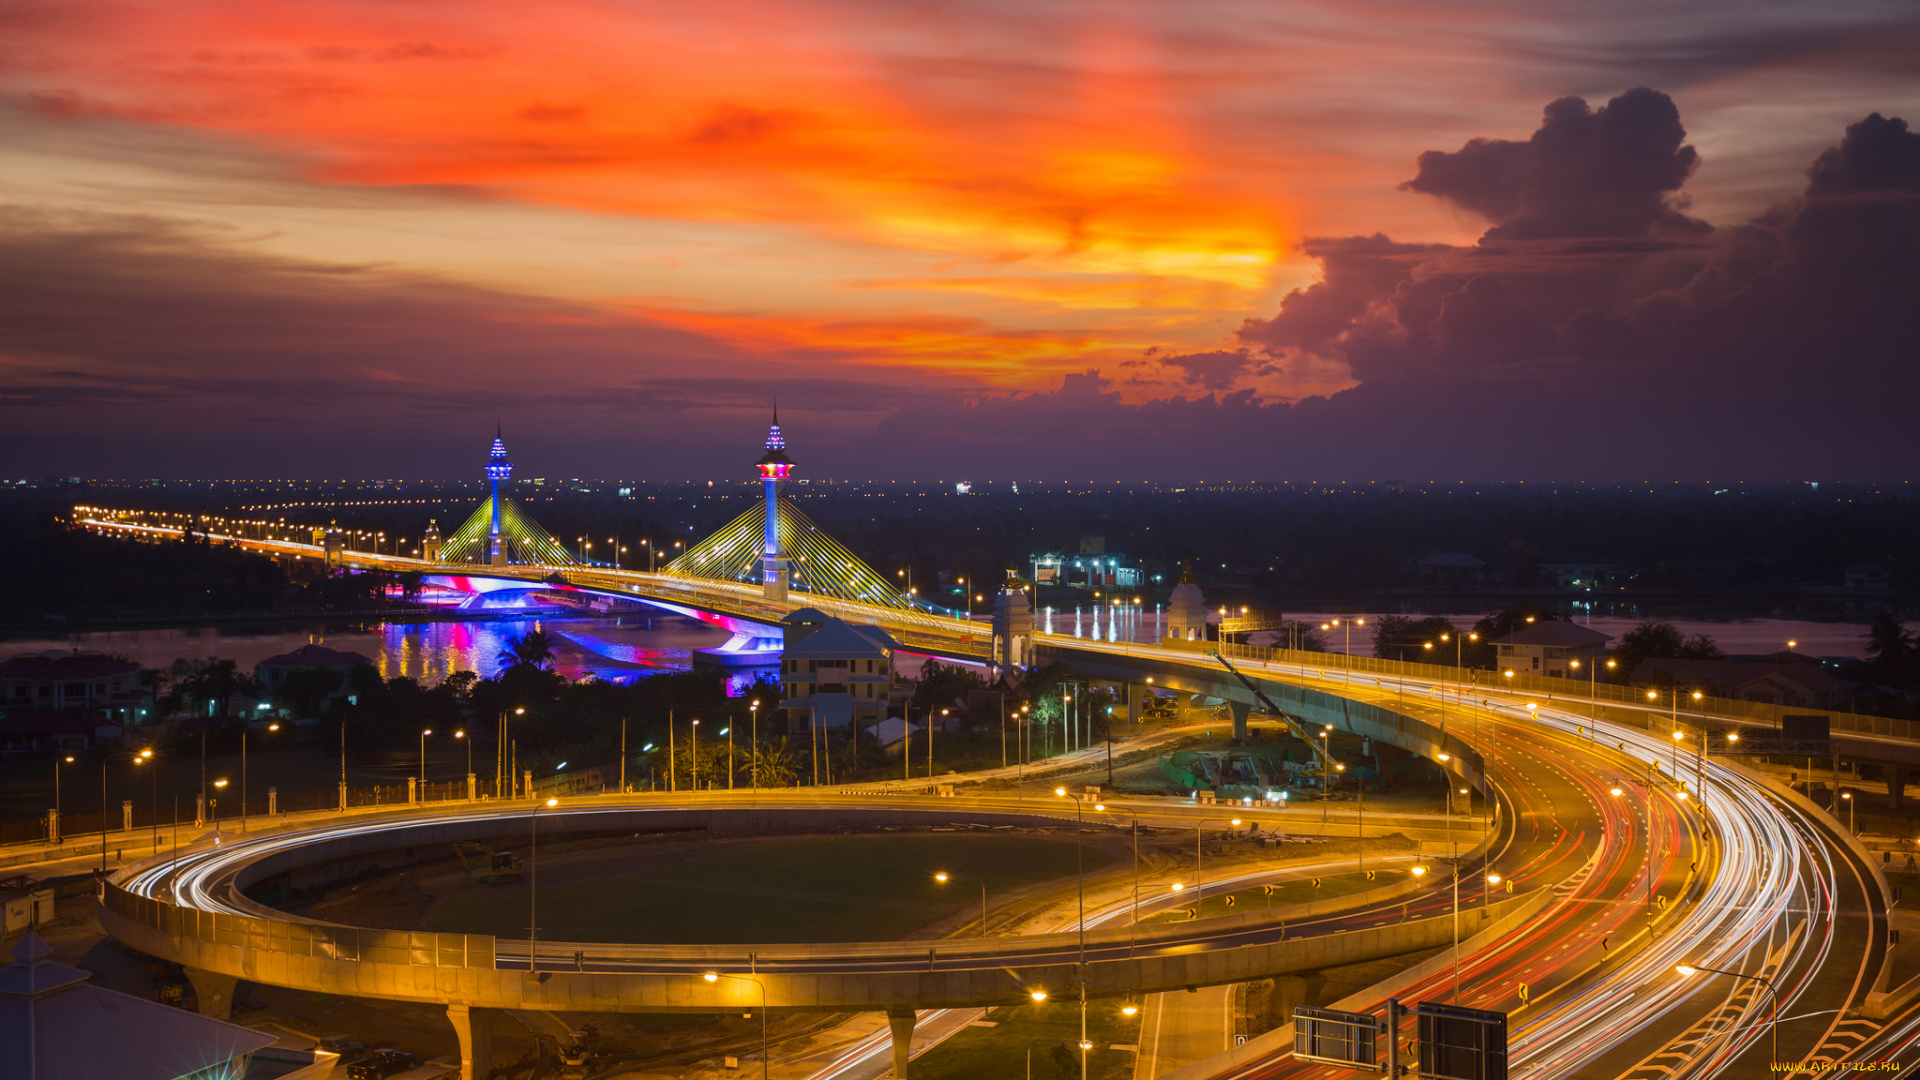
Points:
(1546, 647)
(1187, 609)
(837, 673)
(1865, 577)
(72, 680)
(1789, 681)
(55, 1025)
(1452, 570)
(273, 670)
(52, 731)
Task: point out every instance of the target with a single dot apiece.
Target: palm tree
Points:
(1889, 641)
(531, 650)
(774, 764)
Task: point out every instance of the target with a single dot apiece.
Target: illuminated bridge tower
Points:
(499, 470)
(774, 467)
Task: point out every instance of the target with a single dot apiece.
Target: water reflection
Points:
(617, 649)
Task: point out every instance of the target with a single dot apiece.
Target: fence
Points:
(1546, 686)
(304, 939)
(77, 826)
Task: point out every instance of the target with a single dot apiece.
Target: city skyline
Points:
(1228, 241)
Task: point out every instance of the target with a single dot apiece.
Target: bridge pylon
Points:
(774, 468)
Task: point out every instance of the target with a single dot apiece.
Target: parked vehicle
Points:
(381, 1064)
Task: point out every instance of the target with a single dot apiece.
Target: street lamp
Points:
(754, 710)
(1346, 626)
(714, 977)
(942, 877)
(424, 732)
(1080, 871)
(1773, 997)
(533, 885)
(1200, 879)
(462, 734)
(56, 796)
(1848, 796)
(243, 773)
(694, 755)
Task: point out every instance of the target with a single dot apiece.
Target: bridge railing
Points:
(418, 949)
(1547, 687)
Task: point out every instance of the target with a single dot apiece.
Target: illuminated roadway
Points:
(1752, 885)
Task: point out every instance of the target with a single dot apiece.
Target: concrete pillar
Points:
(527, 782)
(901, 1021)
(273, 801)
(53, 826)
(413, 790)
(474, 1027)
(199, 810)
(473, 787)
(1240, 711)
(1896, 788)
(215, 992)
(126, 815)
(1383, 758)
(343, 795)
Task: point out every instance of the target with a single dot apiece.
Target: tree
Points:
(1891, 644)
(1396, 637)
(304, 690)
(217, 682)
(532, 650)
(774, 764)
(1663, 641)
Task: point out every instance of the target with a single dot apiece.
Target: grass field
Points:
(1001, 1050)
(1301, 891)
(828, 888)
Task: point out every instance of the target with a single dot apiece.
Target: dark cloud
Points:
(1214, 370)
(1607, 172)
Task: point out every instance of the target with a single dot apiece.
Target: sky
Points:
(1219, 239)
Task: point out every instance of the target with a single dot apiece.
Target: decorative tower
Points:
(499, 470)
(1187, 609)
(431, 542)
(774, 467)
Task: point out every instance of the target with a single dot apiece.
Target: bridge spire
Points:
(499, 469)
(774, 468)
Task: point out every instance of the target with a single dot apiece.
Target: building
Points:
(1792, 682)
(55, 1025)
(837, 673)
(54, 731)
(1187, 610)
(1105, 570)
(309, 657)
(72, 681)
(1865, 577)
(1452, 570)
(1587, 575)
(1546, 647)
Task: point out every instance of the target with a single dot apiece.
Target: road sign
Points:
(1461, 1044)
(1332, 1037)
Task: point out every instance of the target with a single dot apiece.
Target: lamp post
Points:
(243, 773)
(1080, 871)
(145, 757)
(754, 711)
(174, 862)
(1200, 879)
(57, 762)
(533, 885)
(1346, 626)
(1773, 997)
(943, 876)
(462, 735)
(424, 732)
(1848, 796)
(694, 755)
(714, 977)
(1326, 763)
